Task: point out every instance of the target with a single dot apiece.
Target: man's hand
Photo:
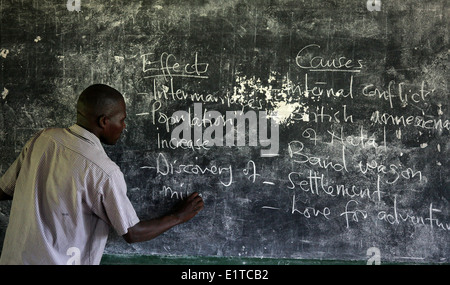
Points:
(189, 207)
(147, 230)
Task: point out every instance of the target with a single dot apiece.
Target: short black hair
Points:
(97, 100)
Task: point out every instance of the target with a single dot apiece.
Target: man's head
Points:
(101, 110)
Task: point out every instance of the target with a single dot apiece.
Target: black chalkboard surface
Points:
(312, 129)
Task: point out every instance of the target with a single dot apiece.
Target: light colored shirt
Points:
(67, 194)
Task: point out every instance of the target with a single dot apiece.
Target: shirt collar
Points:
(86, 135)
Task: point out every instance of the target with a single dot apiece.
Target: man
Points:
(66, 193)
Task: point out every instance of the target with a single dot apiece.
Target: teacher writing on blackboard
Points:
(66, 193)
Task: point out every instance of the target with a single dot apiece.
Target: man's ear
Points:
(103, 121)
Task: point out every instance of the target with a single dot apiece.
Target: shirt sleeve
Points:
(113, 205)
(8, 180)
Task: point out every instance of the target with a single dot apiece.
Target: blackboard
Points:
(339, 144)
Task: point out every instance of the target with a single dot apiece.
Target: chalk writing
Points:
(397, 216)
(316, 184)
(309, 212)
(168, 67)
(320, 63)
(421, 122)
(405, 95)
(165, 167)
(296, 151)
(352, 213)
(200, 128)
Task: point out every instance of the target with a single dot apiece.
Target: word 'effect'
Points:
(234, 125)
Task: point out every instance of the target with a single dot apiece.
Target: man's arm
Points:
(147, 230)
(4, 196)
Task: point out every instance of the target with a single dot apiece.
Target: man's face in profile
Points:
(115, 124)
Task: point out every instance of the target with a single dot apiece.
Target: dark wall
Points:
(356, 100)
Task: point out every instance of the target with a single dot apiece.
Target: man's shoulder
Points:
(82, 148)
(99, 161)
